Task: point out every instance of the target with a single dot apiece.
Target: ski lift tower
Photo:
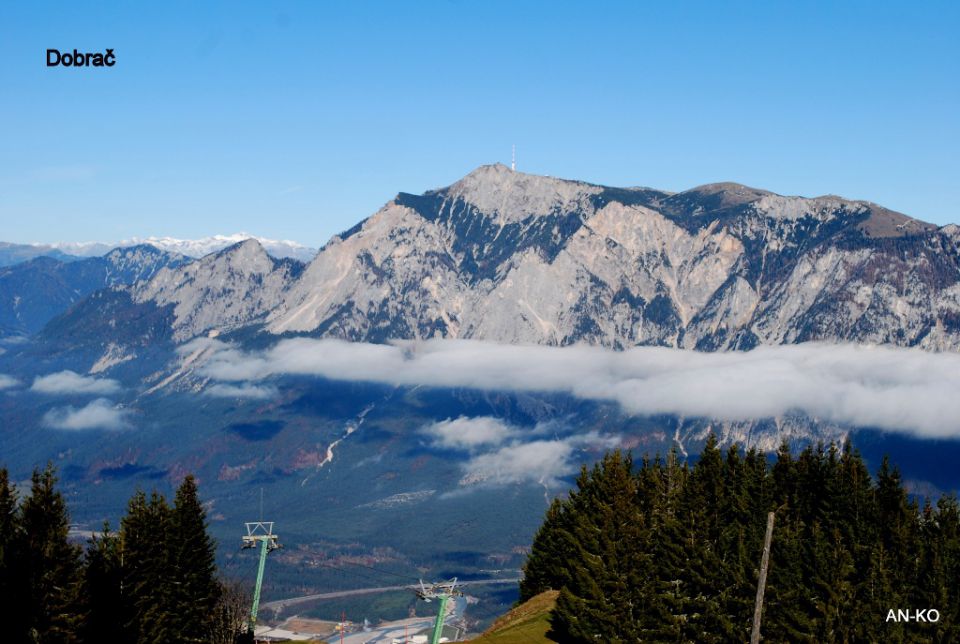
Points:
(259, 532)
(443, 591)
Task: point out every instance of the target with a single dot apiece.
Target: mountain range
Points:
(510, 257)
(11, 253)
(122, 368)
(35, 291)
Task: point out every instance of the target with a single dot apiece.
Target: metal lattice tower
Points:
(259, 532)
(443, 591)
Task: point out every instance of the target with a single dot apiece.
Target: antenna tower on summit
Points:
(513, 159)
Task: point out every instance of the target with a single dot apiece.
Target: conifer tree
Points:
(9, 526)
(46, 566)
(149, 599)
(103, 589)
(898, 522)
(607, 530)
(193, 565)
(544, 569)
(948, 543)
(845, 549)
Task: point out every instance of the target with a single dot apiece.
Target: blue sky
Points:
(296, 120)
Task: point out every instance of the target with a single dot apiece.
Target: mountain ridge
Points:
(37, 290)
(194, 248)
(511, 257)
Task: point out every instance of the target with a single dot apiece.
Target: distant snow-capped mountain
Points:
(189, 247)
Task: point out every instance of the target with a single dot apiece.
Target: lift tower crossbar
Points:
(259, 533)
(442, 591)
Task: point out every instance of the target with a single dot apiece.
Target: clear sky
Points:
(296, 120)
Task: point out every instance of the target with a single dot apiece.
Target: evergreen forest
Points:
(152, 581)
(659, 551)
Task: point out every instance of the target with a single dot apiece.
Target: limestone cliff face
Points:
(521, 259)
(517, 258)
(512, 257)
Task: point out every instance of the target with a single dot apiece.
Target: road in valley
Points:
(281, 604)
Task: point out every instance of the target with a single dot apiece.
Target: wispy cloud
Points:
(542, 462)
(469, 433)
(70, 382)
(245, 390)
(99, 414)
(6, 382)
(862, 386)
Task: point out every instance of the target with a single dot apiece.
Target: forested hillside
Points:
(659, 551)
(152, 582)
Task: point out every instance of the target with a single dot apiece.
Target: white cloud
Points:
(543, 462)
(245, 390)
(499, 455)
(863, 386)
(8, 381)
(70, 382)
(469, 433)
(99, 414)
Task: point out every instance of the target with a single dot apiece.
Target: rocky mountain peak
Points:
(233, 287)
(510, 196)
(730, 193)
(519, 258)
(247, 256)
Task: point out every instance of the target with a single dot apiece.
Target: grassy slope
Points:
(524, 624)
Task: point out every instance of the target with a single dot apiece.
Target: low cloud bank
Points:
(99, 414)
(71, 382)
(861, 386)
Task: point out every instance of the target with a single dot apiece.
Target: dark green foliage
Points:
(153, 582)
(45, 571)
(145, 538)
(103, 589)
(193, 565)
(169, 570)
(548, 548)
(8, 531)
(661, 552)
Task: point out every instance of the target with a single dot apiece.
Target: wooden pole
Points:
(762, 583)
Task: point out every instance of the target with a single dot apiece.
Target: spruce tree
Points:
(544, 568)
(9, 526)
(672, 553)
(948, 590)
(46, 566)
(103, 589)
(607, 530)
(897, 523)
(149, 597)
(193, 565)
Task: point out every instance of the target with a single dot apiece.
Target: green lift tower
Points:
(259, 534)
(443, 592)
